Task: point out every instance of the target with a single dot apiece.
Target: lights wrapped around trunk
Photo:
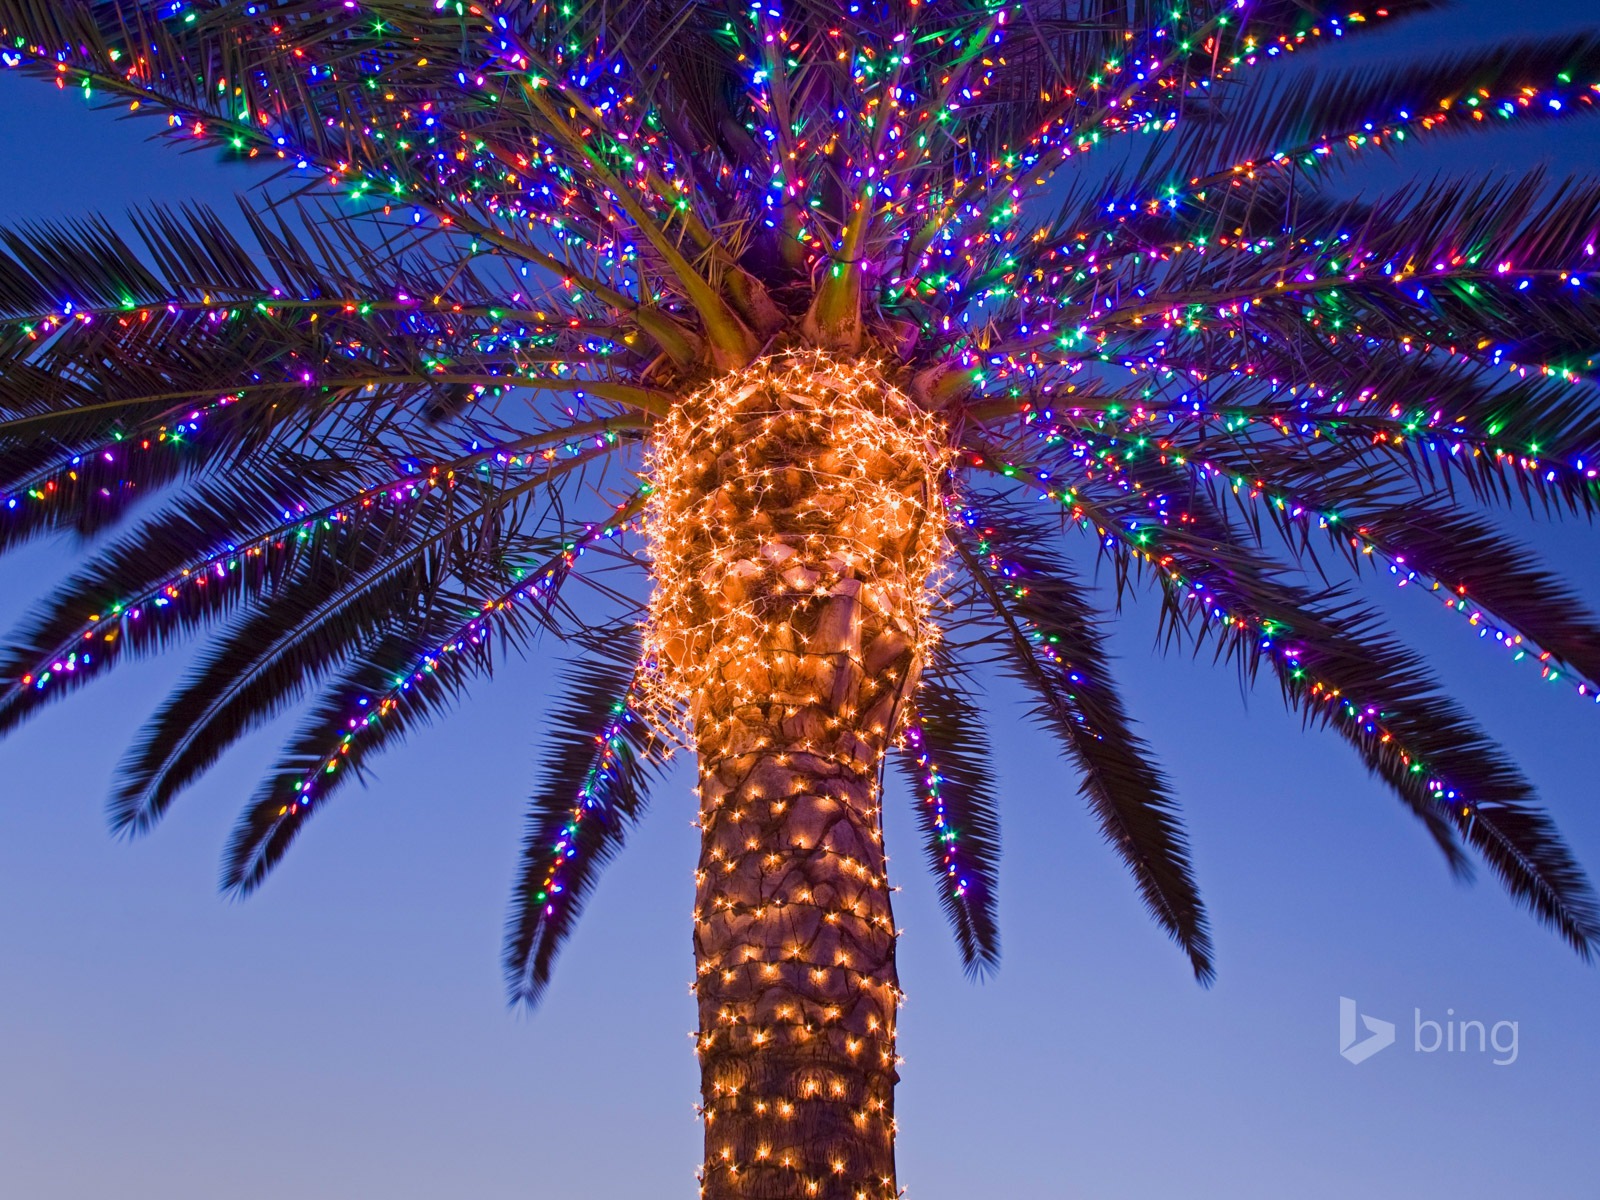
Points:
(796, 537)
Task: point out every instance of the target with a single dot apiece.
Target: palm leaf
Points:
(1287, 118)
(592, 791)
(413, 674)
(268, 659)
(1337, 666)
(945, 762)
(1056, 651)
(284, 802)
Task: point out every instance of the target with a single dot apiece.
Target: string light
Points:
(868, 464)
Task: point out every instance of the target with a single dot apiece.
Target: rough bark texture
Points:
(803, 540)
(794, 944)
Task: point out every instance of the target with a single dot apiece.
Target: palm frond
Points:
(178, 572)
(945, 762)
(1056, 651)
(593, 789)
(152, 586)
(270, 657)
(1284, 487)
(285, 800)
(410, 676)
(1296, 120)
(1339, 668)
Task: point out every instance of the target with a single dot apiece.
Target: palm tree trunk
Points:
(794, 937)
(798, 524)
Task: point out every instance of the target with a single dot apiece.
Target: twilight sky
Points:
(344, 1034)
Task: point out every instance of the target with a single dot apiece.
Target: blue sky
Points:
(344, 1033)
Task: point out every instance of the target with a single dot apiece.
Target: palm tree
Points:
(833, 320)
